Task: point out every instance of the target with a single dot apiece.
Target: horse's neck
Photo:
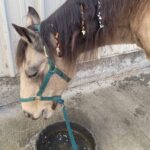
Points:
(122, 35)
(119, 29)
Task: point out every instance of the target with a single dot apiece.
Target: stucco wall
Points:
(3, 61)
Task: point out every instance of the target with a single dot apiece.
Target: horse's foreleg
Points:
(144, 41)
(143, 33)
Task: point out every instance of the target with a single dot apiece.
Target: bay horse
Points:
(77, 27)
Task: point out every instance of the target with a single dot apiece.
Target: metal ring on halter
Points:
(45, 52)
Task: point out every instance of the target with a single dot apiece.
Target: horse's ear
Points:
(32, 17)
(26, 34)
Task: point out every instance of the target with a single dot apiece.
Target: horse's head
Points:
(33, 66)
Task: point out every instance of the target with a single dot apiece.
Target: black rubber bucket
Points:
(55, 137)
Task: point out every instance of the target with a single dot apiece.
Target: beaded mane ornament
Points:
(99, 14)
(83, 20)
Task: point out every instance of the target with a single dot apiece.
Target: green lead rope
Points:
(70, 132)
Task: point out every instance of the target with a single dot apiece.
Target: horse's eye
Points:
(31, 72)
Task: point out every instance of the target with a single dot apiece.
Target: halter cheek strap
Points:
(52, 70)
(57, 99)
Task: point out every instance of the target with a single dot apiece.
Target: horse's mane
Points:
(67, 21)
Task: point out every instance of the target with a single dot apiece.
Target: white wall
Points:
(11, 11)
(14, 11)
(51, 6)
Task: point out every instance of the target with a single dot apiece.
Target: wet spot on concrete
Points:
(139, 111)
(79, 94)
(133, 78)
(142, 79)
(145, 78)
(127, 122)
(77, 97)
(95, 93)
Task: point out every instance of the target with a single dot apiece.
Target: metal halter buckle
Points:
(38, 97)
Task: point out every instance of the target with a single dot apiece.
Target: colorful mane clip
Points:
(59, 53)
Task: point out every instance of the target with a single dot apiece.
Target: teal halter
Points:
(57, 99)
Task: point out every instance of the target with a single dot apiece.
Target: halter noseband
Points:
(57, 99)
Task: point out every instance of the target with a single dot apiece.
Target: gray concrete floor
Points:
(116, 111)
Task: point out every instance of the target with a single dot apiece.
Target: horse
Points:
(75, 28)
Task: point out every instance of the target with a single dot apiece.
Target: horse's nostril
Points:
(27, 114)
(34, 118)
(54, 105)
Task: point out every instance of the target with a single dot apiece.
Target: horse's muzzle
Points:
(44, 113)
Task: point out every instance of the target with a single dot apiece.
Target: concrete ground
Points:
(115, 110)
